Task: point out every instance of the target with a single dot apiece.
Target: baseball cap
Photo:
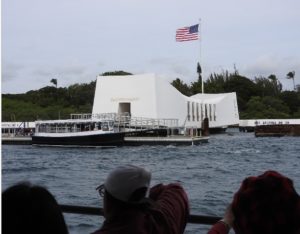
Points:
(124, 180)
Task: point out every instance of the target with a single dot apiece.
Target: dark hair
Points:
(31, 209)
(266, 204)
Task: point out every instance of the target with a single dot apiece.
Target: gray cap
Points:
(124, 180)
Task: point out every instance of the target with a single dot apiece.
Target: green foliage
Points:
(290, 75)
(292, 100)
(116, 73)
(244, 88)
(51, 102)
(265, 108)
(78, 95)
(54, 81)
(216, 83)
(296, 115)
(48, 103)
(18, 110)
(181, 87)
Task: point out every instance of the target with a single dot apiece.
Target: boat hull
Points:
(108, 139)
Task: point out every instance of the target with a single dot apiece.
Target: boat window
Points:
(111, 125)
(105, 126)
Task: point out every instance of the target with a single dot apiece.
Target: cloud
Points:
(177, 68)
(270, 64)
(10, 71)
(262, 65)
(64, 70)
(65, 74)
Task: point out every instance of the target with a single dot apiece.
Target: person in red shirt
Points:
(266, 204)
(128, 209)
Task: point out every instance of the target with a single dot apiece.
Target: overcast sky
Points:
(75, 40)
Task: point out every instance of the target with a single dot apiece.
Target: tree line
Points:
(260, 98)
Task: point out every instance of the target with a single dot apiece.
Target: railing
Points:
(81, 116)
(195, 219)
(58, 129)
(144, 124)
(126, 118)
(122, 122)
(101, 116)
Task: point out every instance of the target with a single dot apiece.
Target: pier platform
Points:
(169, 140)
(277, 130)
(128, 141)
(16, 140)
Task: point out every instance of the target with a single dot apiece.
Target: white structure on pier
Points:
(151, 96)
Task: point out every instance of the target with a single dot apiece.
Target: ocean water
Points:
(210, 172)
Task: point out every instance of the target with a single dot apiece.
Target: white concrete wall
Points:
(223, 107)
(227, 110)
(139, 90)
(170, 102)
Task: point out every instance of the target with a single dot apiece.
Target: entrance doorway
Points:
(124, 107)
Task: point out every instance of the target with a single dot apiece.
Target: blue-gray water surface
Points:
(210, 172)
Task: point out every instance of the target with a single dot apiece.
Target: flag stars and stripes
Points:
(187, 33)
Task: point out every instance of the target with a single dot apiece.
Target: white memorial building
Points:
(151, 96)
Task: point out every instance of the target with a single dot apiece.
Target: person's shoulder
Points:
(160, 189)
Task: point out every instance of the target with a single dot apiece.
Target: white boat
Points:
(83, 131)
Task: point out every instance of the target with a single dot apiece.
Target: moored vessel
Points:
(80, 130)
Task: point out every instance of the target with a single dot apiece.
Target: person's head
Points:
(125, 186)
(31, 209)
(266, 204)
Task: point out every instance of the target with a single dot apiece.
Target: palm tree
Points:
(199, 71)
(54, 81)
(291, 75)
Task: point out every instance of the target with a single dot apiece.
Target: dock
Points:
(271, 127)
(128, 141)
(277, 130)
(16, 140)
(168, 140)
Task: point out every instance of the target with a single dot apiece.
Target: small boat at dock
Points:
(83, 131)
(112, 129)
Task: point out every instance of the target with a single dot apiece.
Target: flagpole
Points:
(200, 39)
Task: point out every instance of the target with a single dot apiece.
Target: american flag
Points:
(187, 33)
